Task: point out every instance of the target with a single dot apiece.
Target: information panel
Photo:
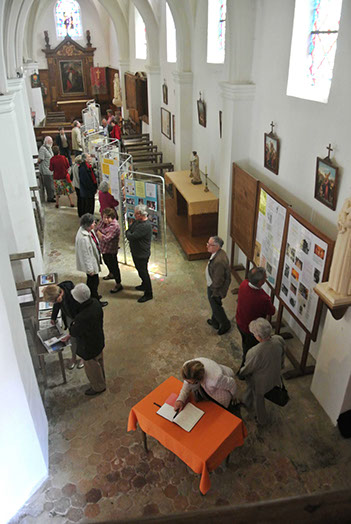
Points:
(303, 268)
(269, 235)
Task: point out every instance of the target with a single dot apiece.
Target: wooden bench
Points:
(140, 148)
(147, 157)
(146, 168)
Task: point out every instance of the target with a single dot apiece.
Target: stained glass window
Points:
(217, 10)
(140, 37)
(325, 21)
(68, 20)
(171, 36)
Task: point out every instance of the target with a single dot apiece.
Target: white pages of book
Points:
(186, 419)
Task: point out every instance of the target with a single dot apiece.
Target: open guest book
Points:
(186, 419)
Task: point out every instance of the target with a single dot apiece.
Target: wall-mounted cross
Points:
(329, 150)
(272, 127)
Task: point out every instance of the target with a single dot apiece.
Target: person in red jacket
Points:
(115, 131)
(60, 165)
(253, 303)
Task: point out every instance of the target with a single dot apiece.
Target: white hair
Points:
(142, 209)
(260, 327)
(48, 139)
(104, 187)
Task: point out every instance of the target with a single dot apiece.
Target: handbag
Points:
(278, 395)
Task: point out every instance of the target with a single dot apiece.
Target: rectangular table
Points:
(200, 207)
(213, 438)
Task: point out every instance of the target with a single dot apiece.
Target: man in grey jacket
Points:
(45, 154)
(218, 278)
(262, 367)
(139, 235)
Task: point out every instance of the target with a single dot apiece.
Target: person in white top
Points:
(207, 380)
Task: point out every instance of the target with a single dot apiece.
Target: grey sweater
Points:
(139, 235)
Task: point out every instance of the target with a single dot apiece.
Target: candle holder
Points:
(206, 186)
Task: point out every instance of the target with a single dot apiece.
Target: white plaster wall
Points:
(92, 18)
(113, 46)
(24, 429)
(207, 77)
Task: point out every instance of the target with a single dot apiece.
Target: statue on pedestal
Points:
(117, 93)
(195, 169)
(340, 272)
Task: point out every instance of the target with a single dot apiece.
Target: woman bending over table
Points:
(207, 380)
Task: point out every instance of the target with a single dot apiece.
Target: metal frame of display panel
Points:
(157, 215)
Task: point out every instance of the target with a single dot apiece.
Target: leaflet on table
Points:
(269, 234)
(47, 279)
(303, 268)
(186, 419)
(45, 305)
(52, 338)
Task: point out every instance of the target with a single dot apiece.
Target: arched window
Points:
(171, 36)
(316, 23)
(140, 37)
(217, 10)
(68, 20)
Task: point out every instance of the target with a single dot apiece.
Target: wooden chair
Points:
(25, 284)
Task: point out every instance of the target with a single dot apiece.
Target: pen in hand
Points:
(158, 405)
(176, 413)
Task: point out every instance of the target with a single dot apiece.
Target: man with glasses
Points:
(218, 278)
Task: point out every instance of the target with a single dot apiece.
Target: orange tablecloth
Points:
(216, 434)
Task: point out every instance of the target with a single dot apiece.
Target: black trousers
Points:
(248, 341)
(141, 267)
(88, 205)
(66, 152)
(93, 284)
(111, 262)
(218, 314)
(79, 203)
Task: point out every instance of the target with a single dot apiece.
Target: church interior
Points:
(258, 90)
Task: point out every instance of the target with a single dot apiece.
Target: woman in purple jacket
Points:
(108, 232)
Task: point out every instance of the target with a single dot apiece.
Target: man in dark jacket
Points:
(218, 278)
(60, 295)
(139, 235)
(88, 185)
(87, 328)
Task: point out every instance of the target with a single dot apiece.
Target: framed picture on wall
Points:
(201, 112)
(173, 128)
(165, 93)
(166, 123)
(71, 72)
(271, 152)
(326, 185)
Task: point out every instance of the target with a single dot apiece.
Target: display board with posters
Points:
(270, 227)
(306, 262)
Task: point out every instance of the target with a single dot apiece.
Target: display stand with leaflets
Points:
(307, 255)
(91, 116)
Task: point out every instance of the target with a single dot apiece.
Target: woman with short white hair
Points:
(262, 367)
(45, 155)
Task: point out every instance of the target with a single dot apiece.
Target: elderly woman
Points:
(105, 198)
(108, 232)
(59, 165)
(208, 381)
(60, 295)
(45, 155)
(87, 185)
(76, 183)
(262, 367)
(88, 254)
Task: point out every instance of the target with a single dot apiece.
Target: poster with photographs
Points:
(130, 187)
(269, 235)
(303, 268)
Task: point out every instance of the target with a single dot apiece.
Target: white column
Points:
(16, 209)
(331, 383)
(183, 118)
(123, 67)
(17, 86)
(154, 90)
(236, 118)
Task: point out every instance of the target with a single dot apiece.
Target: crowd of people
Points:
(82, 305)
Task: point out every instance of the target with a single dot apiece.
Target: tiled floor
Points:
(98, 471)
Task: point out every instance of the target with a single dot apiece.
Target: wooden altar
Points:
(192, 214)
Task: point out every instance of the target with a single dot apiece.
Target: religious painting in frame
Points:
(201, 112)
(166, 123)
(71, 73)
(271, 152)
(165, 93)
(35, 80)
(173, 128)
(326, 185)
